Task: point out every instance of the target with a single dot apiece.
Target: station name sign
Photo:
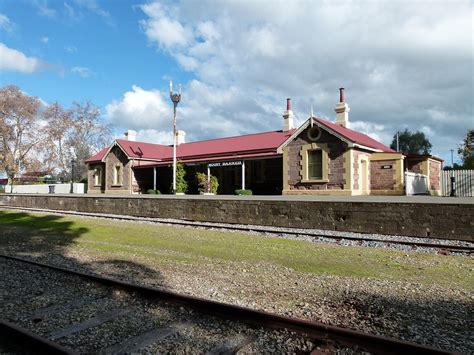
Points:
(386, 167)
(224, 163)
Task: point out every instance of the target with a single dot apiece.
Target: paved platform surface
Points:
(374, 199)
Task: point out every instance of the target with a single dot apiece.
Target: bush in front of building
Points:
(203, 185)
(153, 192)
(243, 192)
(181, 183)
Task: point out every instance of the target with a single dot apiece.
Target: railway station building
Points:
(318, 157)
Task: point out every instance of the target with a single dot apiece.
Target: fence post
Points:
(453, 187)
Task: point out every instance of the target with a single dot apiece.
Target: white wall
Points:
(44, 188)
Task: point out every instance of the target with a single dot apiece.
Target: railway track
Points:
(65, 311)
(415, 243)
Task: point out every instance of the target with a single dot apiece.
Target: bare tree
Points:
(21, 130)
(88, 136)
(59, 131)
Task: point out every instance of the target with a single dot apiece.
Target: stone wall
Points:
(452, 221)
(116, 156)
(336, 163)
(91, 187)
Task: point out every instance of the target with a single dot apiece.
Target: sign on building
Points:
(224, 163)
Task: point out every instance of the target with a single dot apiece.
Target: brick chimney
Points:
(288, 117)
(180, 137)
(342, 111)
(131, 135)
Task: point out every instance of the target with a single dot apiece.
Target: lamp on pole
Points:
(175, 98)
(73, 165)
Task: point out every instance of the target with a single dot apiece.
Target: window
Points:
(118, 174)
(97, 177)
(315, 164)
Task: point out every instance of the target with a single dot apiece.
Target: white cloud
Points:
(14, 60)
(140, 109)
(404, 65)
(94, 7)
(6, 24)
(162, 29)
(72, 13)
(44, 9)
(44, 39)
(155, 136)
(82, 71)
(70, 49)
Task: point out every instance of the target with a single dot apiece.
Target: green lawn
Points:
(172, 245)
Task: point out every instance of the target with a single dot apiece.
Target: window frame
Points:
(97, 177)
(304, 163)
(117, 175)
(312, 164)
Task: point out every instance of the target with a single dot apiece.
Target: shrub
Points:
(243, 192)
(153, 192)
(203, 185)
(181, 184)
(2, 189)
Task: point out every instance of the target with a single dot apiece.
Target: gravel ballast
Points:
(427, 313)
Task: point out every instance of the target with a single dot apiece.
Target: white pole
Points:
(154, 178)
(243, 175)
(174, 152)
(208, 179)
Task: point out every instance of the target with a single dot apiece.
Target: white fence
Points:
(45, 189)
(416, 184)
(464, 182)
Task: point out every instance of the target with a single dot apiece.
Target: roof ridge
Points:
(207, 140)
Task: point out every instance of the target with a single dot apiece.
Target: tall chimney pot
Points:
(130, 135)
(342, 111)
(288, 116)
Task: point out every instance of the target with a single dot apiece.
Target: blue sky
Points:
(404, 64)
(89, 56)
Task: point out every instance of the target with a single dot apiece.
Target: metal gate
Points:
(416, 184)
(464, 182)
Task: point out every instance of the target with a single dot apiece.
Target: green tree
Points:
(466, 150)
(412, 143)
(181, 183)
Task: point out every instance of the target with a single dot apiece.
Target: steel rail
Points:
(312, 330)
(31, 341)
(260, 229)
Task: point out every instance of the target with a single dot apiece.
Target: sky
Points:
(404, 64)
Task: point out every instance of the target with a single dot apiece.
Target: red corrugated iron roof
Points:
(141, 150)
(257, 142)
(240, 146)
(98, 157)
(354, 136)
